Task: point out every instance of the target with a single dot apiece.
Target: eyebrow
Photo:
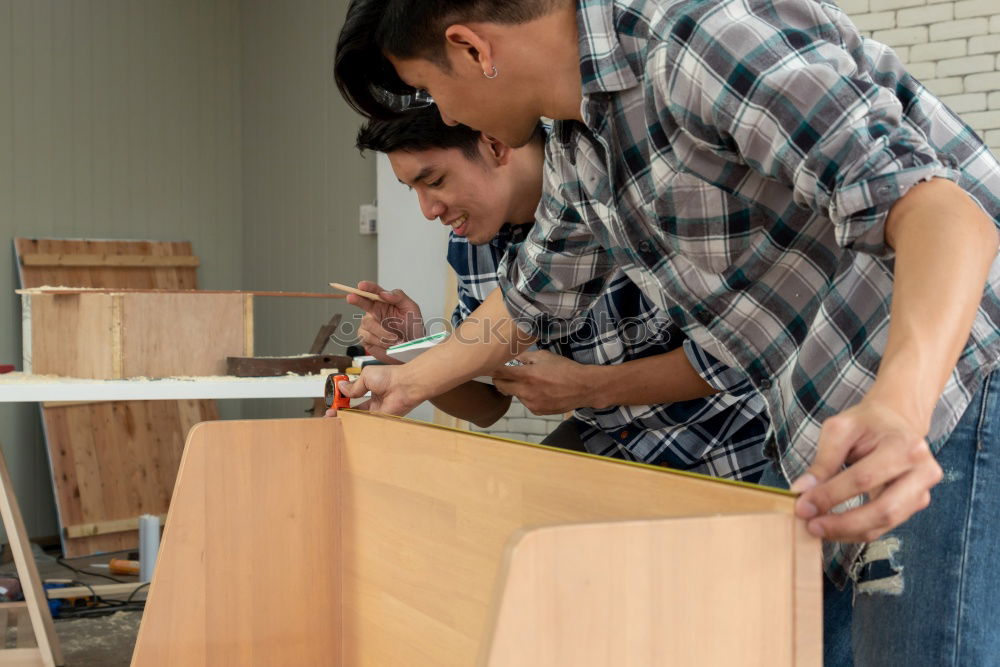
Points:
(421, 175)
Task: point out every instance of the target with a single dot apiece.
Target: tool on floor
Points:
(334, 399)
(123, 566)
(352, 290)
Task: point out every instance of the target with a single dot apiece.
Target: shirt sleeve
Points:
(720, 377)
(561, 268)
(792, 90)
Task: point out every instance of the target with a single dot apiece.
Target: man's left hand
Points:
(547, 384)
(887, 458)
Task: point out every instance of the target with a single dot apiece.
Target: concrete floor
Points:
(93, 641)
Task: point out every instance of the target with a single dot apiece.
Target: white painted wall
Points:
(411, 253)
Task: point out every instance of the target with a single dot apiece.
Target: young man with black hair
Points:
(807, 212)
(623, 372)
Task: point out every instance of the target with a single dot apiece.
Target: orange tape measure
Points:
(334, 399)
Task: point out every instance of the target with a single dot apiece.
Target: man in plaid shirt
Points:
(480, 187)
(805, 210)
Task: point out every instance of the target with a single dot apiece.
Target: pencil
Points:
(352, 290)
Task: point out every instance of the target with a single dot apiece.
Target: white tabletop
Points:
(23, 388)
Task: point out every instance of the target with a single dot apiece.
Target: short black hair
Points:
(407, 29)
(420, 130)
(417, 130)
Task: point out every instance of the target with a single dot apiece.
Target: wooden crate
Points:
(365, 540)
(115, 335)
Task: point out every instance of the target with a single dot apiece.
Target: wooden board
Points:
(134, 334)
(269, 498)
(560, 606)
(412, 524)
(122, 465)
(140, 441)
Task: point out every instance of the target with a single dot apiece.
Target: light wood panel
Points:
(428, 512)
(685, 591)
(267, 496)
(415, 524)
(149, 277)
(135, 334)
(108, 260)
(72, 336)
(183, 334)
(117, 460)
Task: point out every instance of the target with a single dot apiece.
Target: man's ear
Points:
(499, 152)
(468, 48)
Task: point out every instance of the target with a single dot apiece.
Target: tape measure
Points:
(334, 399)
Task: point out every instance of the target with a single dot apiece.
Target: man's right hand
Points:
(386, 324)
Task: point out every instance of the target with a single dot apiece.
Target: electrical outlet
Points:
(368, 219)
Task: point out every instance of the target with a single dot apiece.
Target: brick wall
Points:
(952, 47)
(519, 424)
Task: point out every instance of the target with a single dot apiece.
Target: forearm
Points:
(944, 246)
(484, 341)
(663, 378)
(476, 402)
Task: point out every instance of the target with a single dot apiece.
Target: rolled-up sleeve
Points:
(719, 376)
(561, 268)
(794, 93)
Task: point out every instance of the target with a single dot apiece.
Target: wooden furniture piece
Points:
(112, 460)
(370, 540)
(118, 335)
(36, 643)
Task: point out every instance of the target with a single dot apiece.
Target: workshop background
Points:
(217, 121)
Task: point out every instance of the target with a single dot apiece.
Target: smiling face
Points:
(499, 107)
(473, 197)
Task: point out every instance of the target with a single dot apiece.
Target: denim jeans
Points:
(928, 593)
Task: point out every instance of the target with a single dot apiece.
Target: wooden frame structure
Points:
(370, 540)
(36, 642)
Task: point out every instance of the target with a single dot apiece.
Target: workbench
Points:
(24, 388)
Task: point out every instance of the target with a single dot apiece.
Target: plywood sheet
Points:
(675, 579)
(143, 277)
(425, 504)
(251, 573)
(117, 460)
(91, 445)
(182, 334)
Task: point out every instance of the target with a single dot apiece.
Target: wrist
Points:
(411, 385)
(597, 386)
(899, 395)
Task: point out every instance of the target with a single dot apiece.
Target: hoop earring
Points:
(494, 75)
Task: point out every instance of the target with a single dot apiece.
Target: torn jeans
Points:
(928, 593)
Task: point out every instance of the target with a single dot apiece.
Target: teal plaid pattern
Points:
(737, 160)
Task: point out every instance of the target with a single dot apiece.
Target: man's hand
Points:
(388, 395)
(386, 324)
(888, 459)
(547, 384)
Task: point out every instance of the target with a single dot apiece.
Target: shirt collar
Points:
(604, 67)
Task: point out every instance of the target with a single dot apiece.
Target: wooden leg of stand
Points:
(27, 572)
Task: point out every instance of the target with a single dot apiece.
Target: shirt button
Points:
(645, 246)
(765, 384)
(623, 435)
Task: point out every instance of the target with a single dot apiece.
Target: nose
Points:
(430, 206)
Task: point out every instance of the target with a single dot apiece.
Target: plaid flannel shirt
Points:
(737, 160)
(721, 435)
